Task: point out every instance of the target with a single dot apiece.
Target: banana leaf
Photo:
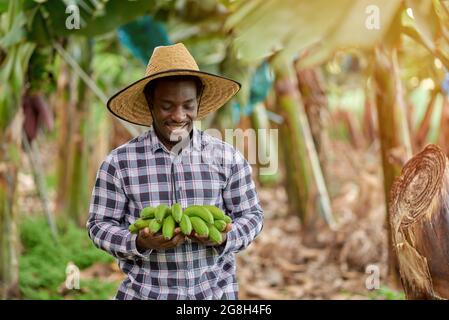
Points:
(142, 36)
(95, 19)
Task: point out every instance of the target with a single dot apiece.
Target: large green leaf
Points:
(272, 25)
(12, 75)
(16, 33)
(4, 5)
(236, 69)
(353, 30)
(96, 19)
(429, 27)
(39, 31)
(426, 20)
(321, 26)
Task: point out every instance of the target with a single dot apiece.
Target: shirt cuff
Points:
(131, 245)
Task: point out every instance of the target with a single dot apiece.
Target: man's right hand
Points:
(147, 240)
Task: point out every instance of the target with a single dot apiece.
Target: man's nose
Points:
(179, 114)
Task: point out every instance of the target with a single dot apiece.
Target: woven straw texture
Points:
(131, 105)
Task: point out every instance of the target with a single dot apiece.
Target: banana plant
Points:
(16, 54)
(321, 28)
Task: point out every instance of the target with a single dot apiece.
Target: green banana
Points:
(217, 213)
(133, 229)
(168, 227)
(186, 225)
(201, 212)
(147, 213)
(154, 225)
(199, 226)
(220, 225)
(141, 223)
(227, 219)
(214, 234)
(176, 212)
(161, 212)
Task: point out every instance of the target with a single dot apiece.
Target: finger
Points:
(173, 242)
(179, 235)
(158, 237)
(145, 233)
(178, 239)
(177, 230)
(202, 238)
(192, 235)
(193, 239)
(228, 227)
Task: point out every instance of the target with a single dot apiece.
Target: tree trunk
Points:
(368, 127)
(420, 223)
(292, 144)
(424, 127)
(78, 193)
(443, 135)
(301, 140)
(9, 238)
(312, 89)
(63, 114)
(385, 97)
(119, 133)
(100, 128)
(267, 145)
(401, 107)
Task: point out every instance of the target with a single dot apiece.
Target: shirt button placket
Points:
(177, 167)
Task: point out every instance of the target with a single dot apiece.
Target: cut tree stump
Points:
(419, 219)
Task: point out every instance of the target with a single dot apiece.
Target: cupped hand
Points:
(147, 240)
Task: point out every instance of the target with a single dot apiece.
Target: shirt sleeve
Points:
(107, 210)
(242, 204)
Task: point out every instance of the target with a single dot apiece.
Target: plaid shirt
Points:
(144, 173)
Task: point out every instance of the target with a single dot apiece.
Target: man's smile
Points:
(177, 131)
(177, 127)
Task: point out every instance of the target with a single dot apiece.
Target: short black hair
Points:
(148, 90)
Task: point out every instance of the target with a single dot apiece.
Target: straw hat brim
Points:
(130, 104)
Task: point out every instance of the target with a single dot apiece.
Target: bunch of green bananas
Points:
(206, 220)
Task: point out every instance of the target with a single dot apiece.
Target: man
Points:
(173, 162)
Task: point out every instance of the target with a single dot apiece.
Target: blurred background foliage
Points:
(369, 73)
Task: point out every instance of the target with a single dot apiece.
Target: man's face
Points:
(174, 108)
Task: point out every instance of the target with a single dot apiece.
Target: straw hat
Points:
(131, 105)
